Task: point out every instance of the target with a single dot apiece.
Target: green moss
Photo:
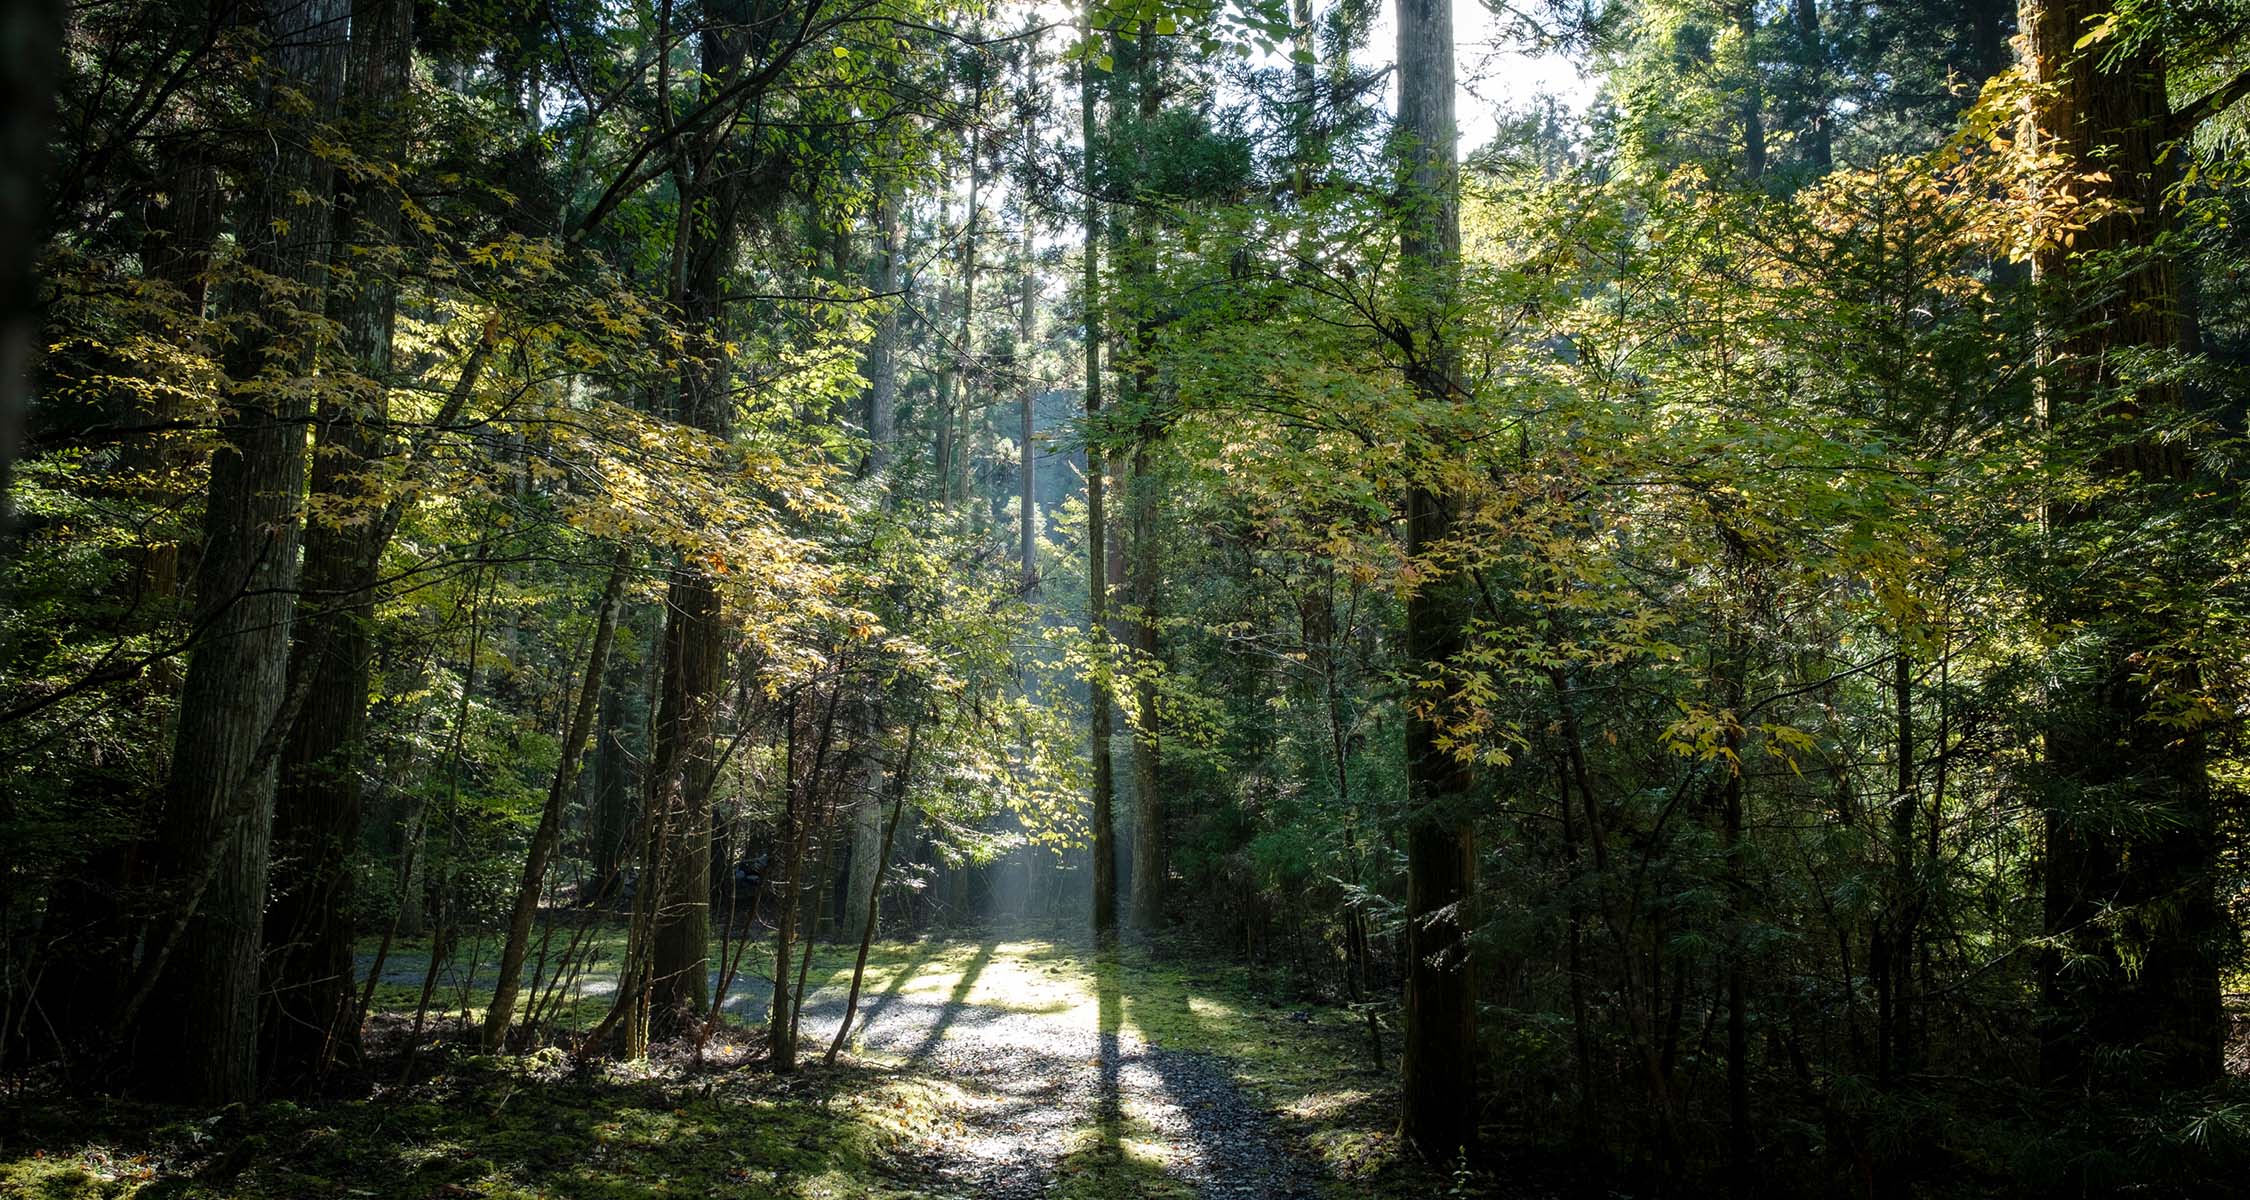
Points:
(1105, 1169)
(60, 1179)
(489, 1128)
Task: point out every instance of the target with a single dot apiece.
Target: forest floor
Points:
(979, 1068)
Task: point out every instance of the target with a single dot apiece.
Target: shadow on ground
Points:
(1001, 1069)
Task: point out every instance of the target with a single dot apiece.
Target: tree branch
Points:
(2210, 104)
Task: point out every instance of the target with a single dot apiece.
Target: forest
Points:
(1132, 598)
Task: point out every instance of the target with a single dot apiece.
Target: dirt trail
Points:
(1046, 1087)
(1046, 1095)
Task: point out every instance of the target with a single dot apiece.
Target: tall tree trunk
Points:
(865, 860)
(964, 346)
(813, 897)
(944, 447)
(901, 779)
(2130, 986)
(1027, 434)
(882, 433)
(1097, 552)
(680, 920)
(628, 1015)
(1989, 31)
(503, 1007)
(1027, 327)
(789, 841)
(801, 783)
(1892, 959)
(715, 185)
(1149, 858)
(882, 349)
(1750, 92)
(308, 932)
(30, 53)
(1574, 958)
(1307, 148)
(1812, 66)
(200, 1040)
(1438, 1080)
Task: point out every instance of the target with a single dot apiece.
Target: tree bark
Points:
(680, 924)
(864, 861)
(714, 183)
(1307, 147)
(1438, 1081)
(30, 52)
(882, 349)
(1751, 93)
(943, 447)
(900, 780)
(790, 840)
(964, 348)
(1989, 31)
(200, 1041)
(1732, 685)
(1892, 959)
(2130, 987)
(308, 934)
(882, 434)
(1150, 861)
(811, 935)
(1812, 65)
(1097, 554)
(1027, 326)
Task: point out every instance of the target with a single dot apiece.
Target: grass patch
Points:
(1314, 1075)
(507, 1129)
(537, 1127)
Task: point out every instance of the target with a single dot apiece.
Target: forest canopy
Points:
(1669, 578)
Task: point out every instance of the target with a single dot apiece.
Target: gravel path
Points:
(1039, 1088)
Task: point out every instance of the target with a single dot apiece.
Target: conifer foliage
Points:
(1706, 615)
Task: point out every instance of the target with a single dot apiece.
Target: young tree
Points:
(517, 941)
